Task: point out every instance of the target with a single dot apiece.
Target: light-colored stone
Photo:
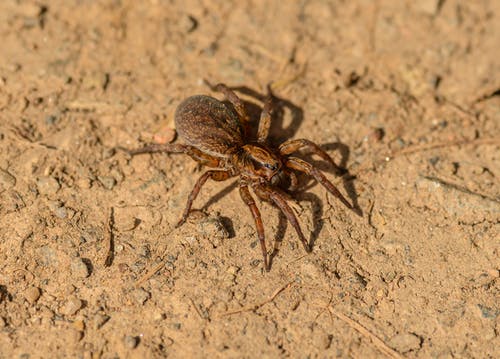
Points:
(71, 306)
(32, 294)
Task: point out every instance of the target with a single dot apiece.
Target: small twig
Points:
(384, 348)
(285, 81)
(258, 305)
(432, 146)
(155, 269)
(265, 52)
(150, 273)
(110, 239)
(197, 310)
(426, 147)
(297, 259)
(459, 188)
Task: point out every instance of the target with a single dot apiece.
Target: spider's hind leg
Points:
(265, 117)
(235, 101)
(197, 155)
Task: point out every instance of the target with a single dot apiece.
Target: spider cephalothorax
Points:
(256, 161)
(216, 135)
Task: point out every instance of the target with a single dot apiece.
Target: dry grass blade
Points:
(150, 273)
(435, 145)
(258, 305)
(384, 348)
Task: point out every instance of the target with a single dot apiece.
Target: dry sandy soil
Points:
(403, 94)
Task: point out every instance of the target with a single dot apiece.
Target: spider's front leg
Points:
(303, 166)
(291, 146)
(249, 201)
(277, 197)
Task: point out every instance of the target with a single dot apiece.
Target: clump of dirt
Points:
(403, 95)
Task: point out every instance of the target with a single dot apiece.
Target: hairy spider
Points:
(216, 135)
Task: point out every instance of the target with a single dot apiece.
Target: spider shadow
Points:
(221, 194)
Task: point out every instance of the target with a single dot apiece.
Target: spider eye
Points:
(270, 166)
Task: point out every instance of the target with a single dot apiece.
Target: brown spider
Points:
(216, 135)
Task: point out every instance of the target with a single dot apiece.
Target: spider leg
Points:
(249, 201)
(191, 151)
(278, 198)
(265, 117)
(294, 182)
(214, 175)
(291, 146)
(303, 166)
(235, 101)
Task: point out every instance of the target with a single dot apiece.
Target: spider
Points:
(216, 135)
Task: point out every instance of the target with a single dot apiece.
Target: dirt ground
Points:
(403, 94)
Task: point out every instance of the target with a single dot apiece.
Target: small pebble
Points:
(487, 312)
(188, 23)
(32, 294)
(322, 340)
(376, 135)
(430, 7)
(2, 322)
(61, 212)
(130, 341)
(53, 205)
(117, 175)
(164, 135)
(124, 220)
(29, 10)
(108, 153)
(144, 251)
(79, 325)
(100, 320)
(47, 185)
(405, 342)
(213, 229)
(50, 120)
(233, 270)
(76, 335)
(107, 182)
(84, 183)
(141, 296)
(495, 273)
(6, 180)
(57, 207)
(255, 263)
(71, 306)
(157, 316)
(79, 269)
(48, 256)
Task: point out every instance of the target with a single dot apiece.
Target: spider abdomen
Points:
(209, 125)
